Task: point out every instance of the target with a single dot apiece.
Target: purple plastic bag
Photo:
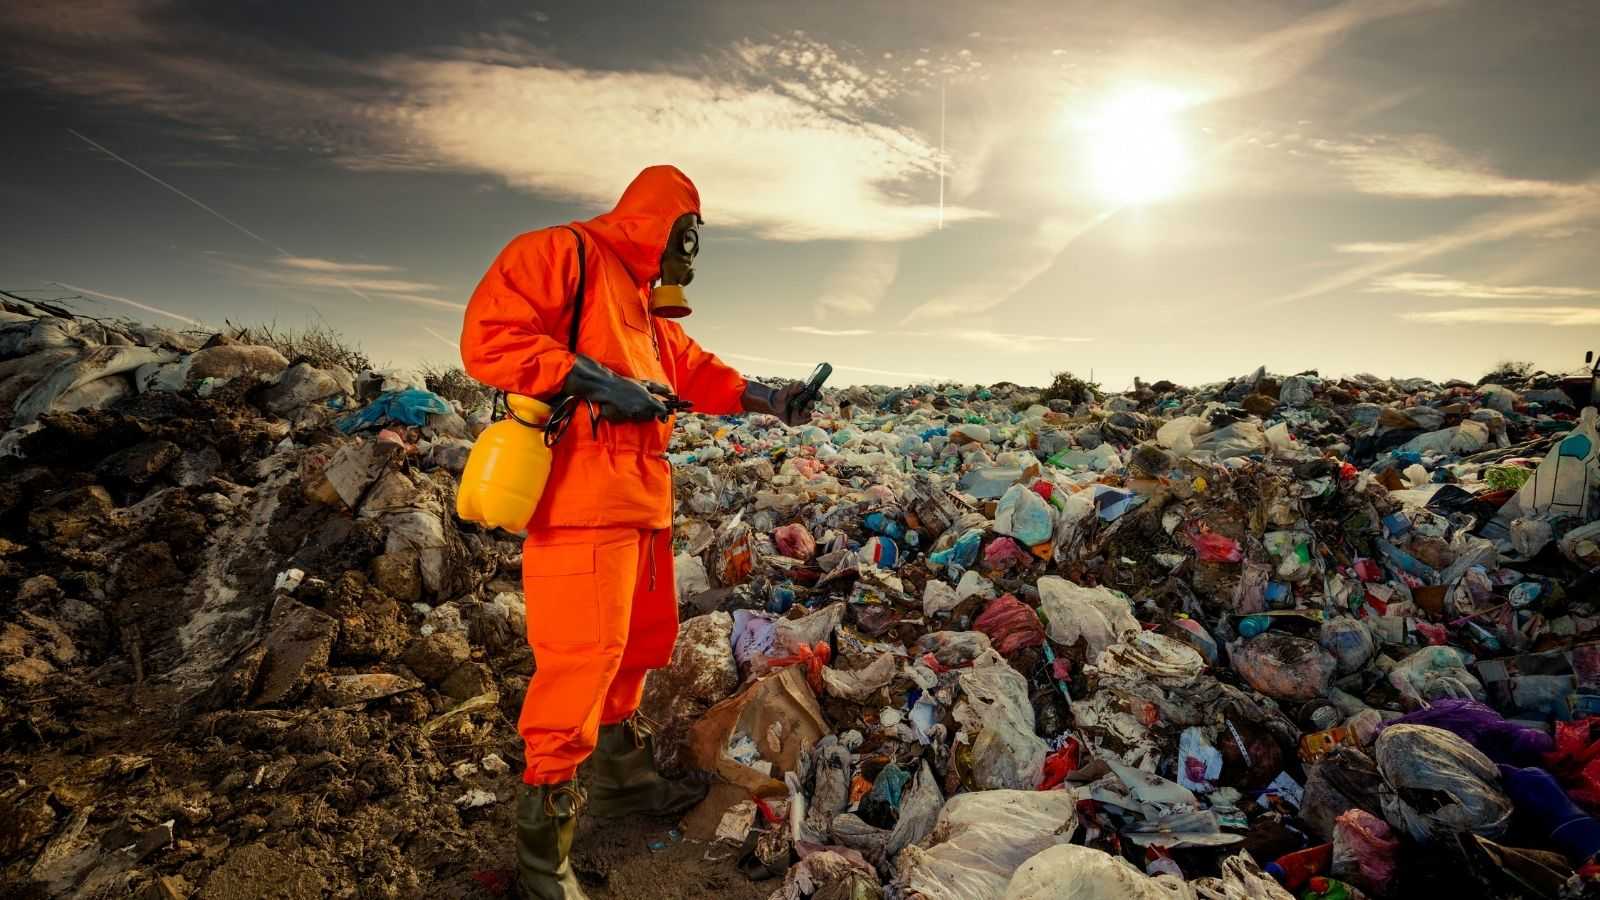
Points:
(1482, 727)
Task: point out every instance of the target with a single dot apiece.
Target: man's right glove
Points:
(620, 399)
(759, 398)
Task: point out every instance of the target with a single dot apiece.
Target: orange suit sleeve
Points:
(713, 386)
(515, 333)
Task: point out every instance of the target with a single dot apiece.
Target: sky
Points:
(911, 191)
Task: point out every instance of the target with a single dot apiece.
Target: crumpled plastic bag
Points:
(1024, 515)
(1005, 752)
(1436, 672)
(1435, 785)
(1563, 485)
(789, 635)
(830, 873)
(1095, 615)
(1238, 439)
(1154, 656)
(1364, 850)
(410, 407)
(859, 685)
(1199, 763)
(939, 597)
(1241, 879)
(1484, 728)
(1350, 642)
(1344, 779)
(941, 651)
(1010, 624)
(1282, 666)
(919, 810)
(981, 838)
(795, 541)
(1210, 547)
(1073, 872)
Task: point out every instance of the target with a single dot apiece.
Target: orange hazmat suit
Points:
(597, 562)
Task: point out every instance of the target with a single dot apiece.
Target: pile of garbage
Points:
(245, 647)
(980, 643)
(1274, 637)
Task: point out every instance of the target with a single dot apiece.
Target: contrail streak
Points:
(442, 339)
(134, 303)
(240, 228)
(176, 190)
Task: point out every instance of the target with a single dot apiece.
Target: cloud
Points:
(824, 332)
(1018, 265)
(1000, 340)
(1561, 316)
(763, 160)
(784, 139)
(1279, 55)
(1498, 226)
(313, 264)
(858, 286)
(1374, 247)
(1423, 167)
(327, 276)
(1424, 284)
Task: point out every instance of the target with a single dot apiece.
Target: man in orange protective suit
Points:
(597, 562)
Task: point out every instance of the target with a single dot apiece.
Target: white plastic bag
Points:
(1005, 752)
(981, 838)
(1461, 784)
(1071, 872)
(1095, 615)
(1564, 484)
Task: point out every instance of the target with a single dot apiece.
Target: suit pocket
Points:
(634, 314)
(562, 595)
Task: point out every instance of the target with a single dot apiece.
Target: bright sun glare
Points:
(1136, 148)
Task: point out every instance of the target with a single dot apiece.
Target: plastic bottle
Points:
(1250, 626)
(878, 523)
(780, 599)
(884, 553)
(1295, 869)
(507, 468)
(1321, 888)
(1278, 595)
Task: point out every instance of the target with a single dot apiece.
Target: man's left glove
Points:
(759, 398)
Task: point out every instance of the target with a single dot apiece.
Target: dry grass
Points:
(1069, 387)
(318, 345)
(453, 383)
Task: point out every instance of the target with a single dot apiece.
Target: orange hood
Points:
(637, 229)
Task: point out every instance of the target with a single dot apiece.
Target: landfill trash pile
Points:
(1274, 637)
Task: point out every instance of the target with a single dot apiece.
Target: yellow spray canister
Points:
(507, 468)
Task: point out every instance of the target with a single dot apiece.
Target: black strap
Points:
(577, 299)
(560, 418)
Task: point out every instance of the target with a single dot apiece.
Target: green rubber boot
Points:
(623, 780)
(547, 816)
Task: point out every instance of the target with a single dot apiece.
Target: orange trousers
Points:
(602, 611)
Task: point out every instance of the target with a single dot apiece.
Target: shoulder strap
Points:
(577, 299)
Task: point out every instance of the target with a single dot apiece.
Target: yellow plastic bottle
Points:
(507, 468)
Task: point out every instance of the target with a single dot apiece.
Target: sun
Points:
(1136, 149)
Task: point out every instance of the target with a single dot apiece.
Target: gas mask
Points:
(677, 268)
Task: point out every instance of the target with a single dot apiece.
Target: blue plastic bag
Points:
(411, 406)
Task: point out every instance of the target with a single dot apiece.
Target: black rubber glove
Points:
(759, 398)
(620, 399)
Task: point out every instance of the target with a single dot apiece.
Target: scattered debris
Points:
(943, 642)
